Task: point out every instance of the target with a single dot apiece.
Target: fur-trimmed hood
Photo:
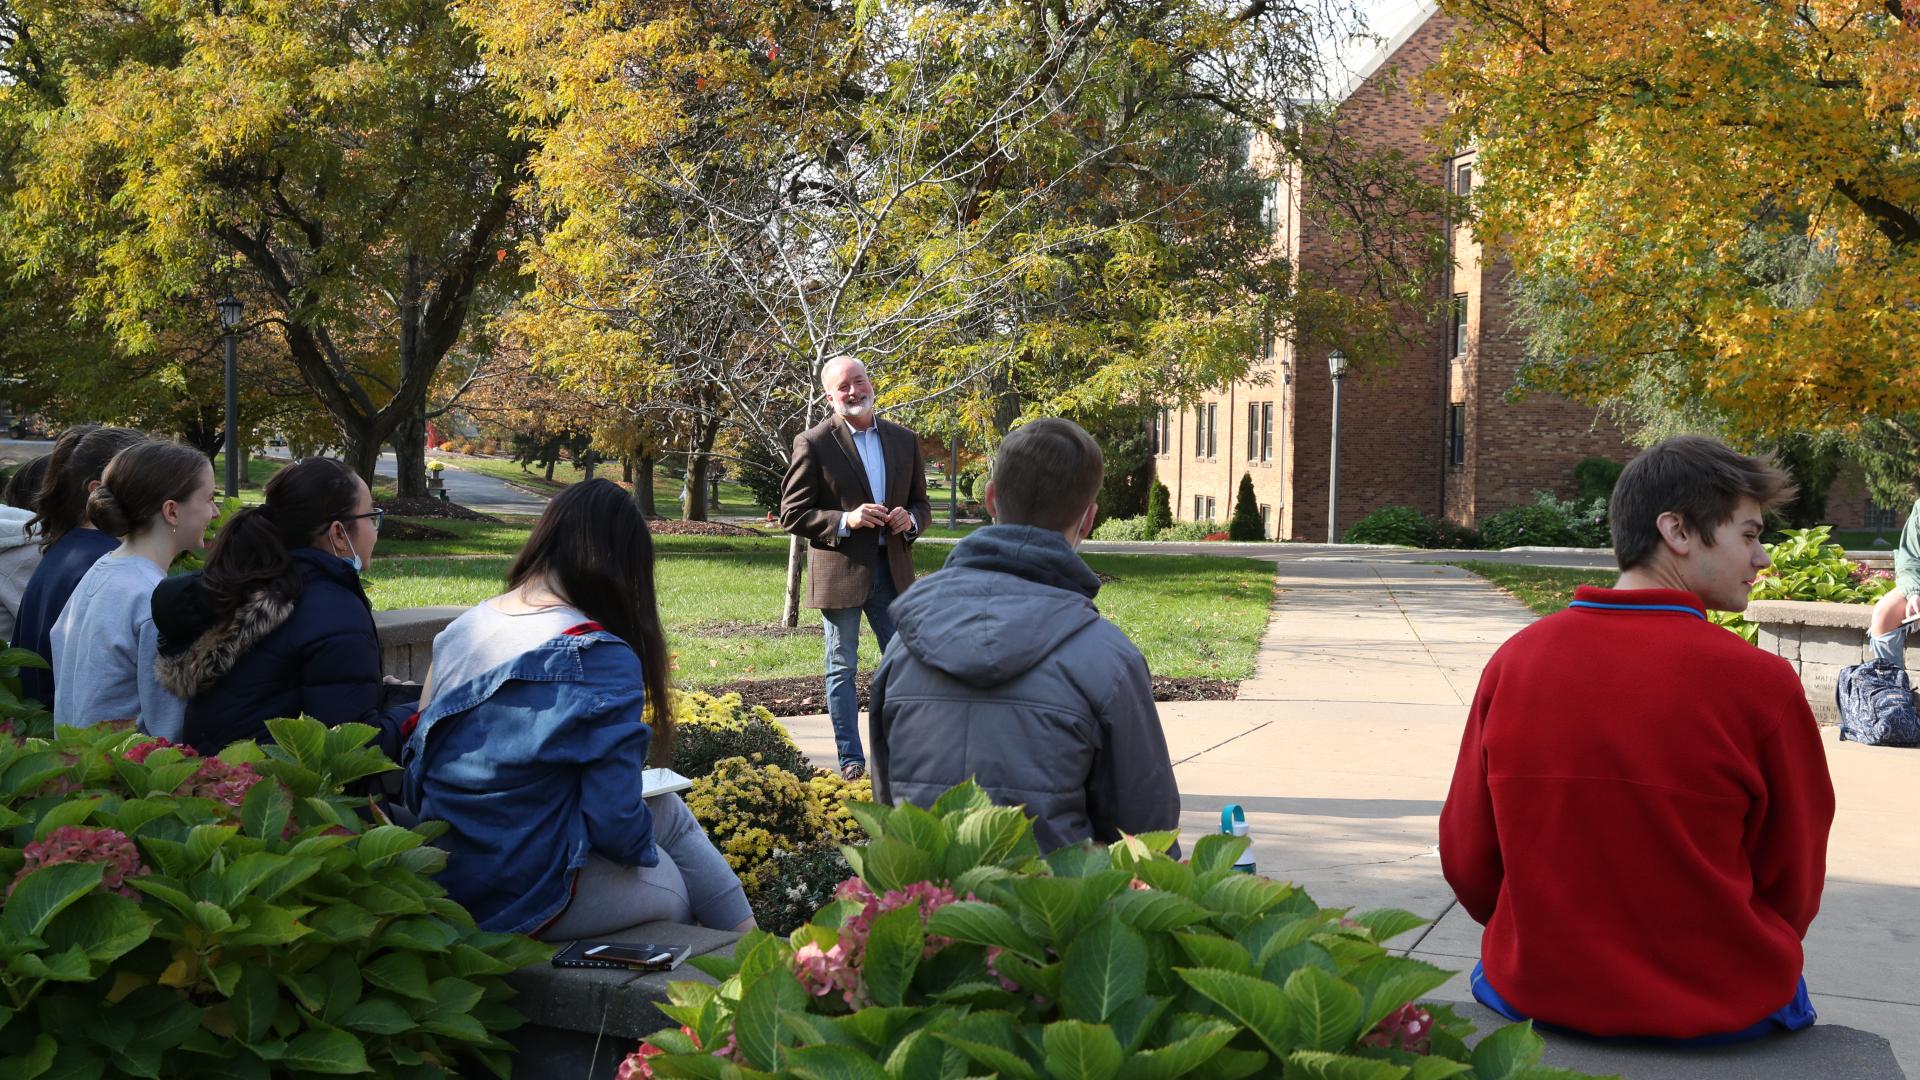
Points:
(194, 651)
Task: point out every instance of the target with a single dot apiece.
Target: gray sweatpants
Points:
(692, 883)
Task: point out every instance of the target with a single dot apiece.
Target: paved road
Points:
(475, 491)
(1342, 745)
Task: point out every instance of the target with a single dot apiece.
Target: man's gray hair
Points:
(841, 358)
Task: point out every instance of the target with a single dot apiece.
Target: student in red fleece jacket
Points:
(1639, 813)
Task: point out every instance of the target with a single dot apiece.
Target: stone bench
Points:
(1818, 639)
(406, 639)
(1826, 1051)
(582, 1022)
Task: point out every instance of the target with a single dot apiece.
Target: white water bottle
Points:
(1233, 822)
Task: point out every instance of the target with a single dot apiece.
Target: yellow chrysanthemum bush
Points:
(779, 821)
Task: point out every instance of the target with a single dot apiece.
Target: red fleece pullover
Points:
(1639, 819)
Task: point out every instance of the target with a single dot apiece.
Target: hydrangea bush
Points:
(1808, 565)
(172, 915)
(958, 950)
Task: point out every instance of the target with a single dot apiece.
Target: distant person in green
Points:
(1894, 617)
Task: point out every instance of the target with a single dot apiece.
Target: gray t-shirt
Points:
(486, 637)
(103, 650)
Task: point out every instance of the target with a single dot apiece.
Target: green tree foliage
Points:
(1126, 448)
(350, 165)
(1245, 523)
(1404, 525)
(1159, 508)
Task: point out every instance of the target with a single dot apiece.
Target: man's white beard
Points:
(844, 408)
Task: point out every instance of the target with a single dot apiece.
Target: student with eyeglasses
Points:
(278, 623)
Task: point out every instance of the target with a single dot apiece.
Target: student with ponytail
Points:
(278, 623)
(157, 497)
(69, 543)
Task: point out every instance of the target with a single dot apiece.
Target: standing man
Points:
(856, 491)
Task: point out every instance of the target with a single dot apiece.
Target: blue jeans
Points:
(843, 659)
(1793, 1016)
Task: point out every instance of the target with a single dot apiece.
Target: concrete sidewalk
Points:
(1341, 746)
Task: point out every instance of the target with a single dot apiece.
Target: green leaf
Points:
(1151, 911)
(1321, 1065)
(403, 973)
(102, 925)
(1181, 1056)
(1217, 851)
(756, 1023)
(303, 738)
(1168, 876)
(1209, 951)
(265, 810)
(1000, 1059)
(60, 815)
(256, 1000)
(381, 844)
(892, 863)
(1506, 1051)
(1106, 966)
(1326, 1013)
(1049, 907)
(1079, 1051)
(340, 923)
(1438, 1068)
(35, 1062)
(69, 966)
(1244, 894)
(995, 834)
(425, 934)
(1388, 923)
(966, 795)
(267, 924)
(1390, 982)
(46, 892)
(832, 1063)
(871, 816)
(1280, 966)
(1259, 1006)
(980, 923)
(204, 840)
(894, 945)
(326, 1050)
(919, 828)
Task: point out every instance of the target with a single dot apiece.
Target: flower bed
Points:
(958, 951)
(1808, 565)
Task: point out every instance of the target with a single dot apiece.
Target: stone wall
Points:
(406, 639)
(1818, 639)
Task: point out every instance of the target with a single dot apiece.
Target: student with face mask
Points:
(278, 623)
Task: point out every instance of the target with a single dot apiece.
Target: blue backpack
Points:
(1876, 704)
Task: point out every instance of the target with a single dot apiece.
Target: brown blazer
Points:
(825, 479)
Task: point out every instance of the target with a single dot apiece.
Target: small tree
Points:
(1159, 509)
(1246, 523)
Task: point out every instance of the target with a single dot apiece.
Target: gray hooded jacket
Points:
(1003, 671)
(19, 554)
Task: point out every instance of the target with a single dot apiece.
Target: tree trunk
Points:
(626, 469)
(362, 449)
(591, 459)
(551, 462)
(410, 454)
(242, 451)
(696, 487)
(643, 486)
(796, 564)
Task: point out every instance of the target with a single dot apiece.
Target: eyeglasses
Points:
(378, 515)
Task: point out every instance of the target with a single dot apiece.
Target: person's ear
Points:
(1086, 519)
(1674, 533)
(992, 500)
(170, 512)
(94, 485)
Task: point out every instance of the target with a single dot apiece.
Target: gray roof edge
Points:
(1358, 77)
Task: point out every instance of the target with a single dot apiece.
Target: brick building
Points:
(1434, 429)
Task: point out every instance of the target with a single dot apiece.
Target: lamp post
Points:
(1337, 367)
(230, 312)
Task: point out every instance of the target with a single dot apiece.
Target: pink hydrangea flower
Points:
(221, 782)
(1408, 1028)
(74, 844)
(827, 972)
(139, 752)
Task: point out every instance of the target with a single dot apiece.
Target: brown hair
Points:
(79, 456)
(139, 481)
(1695, 477)
(1046, 473)
(251, 553)
(23, 487)
(593, 546)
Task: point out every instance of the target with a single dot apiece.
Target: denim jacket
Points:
(535, 764)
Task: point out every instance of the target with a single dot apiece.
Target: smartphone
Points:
(634, 955)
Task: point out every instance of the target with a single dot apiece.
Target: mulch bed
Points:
(806, 695)
(676, 527)
(734, 628)
(408, 530)
(433, 508)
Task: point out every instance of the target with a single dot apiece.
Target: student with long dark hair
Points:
(69, 543)
(535, 732)
(19, 554)
(278, 624)
(157, 497)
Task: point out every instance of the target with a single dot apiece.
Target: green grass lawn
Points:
(1864, 539)
(1193, 616)
(1545, 589)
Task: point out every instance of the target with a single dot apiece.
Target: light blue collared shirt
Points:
(873, 458)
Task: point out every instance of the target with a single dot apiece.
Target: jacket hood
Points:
(13, 528)
(1007, 597)
(197, 648)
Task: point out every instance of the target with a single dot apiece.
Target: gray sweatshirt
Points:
(19, 554)
(103, 651)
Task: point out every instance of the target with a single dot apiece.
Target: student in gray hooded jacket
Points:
(1004, 671)
(1898, 612)
(158, 498)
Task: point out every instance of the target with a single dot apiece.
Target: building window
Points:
(1209, 509)
(1163, 431)
(1459, 324)
(1463, 180)
(1270, 208)
(1199, 506)
(1266, 521)
(1457, 434)
(1253, 431)
(1199, 431)
(1266, 432)
(1879, 518)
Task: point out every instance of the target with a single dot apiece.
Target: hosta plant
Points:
(170, 915)
(958, 951)
(1808, 565)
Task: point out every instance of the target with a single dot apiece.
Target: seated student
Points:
(158, 498)
(19, 551)
(1004, 671)
(1898, 612)
(534, 735)
(1640, 808)
(277, 624)
(69, 543)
